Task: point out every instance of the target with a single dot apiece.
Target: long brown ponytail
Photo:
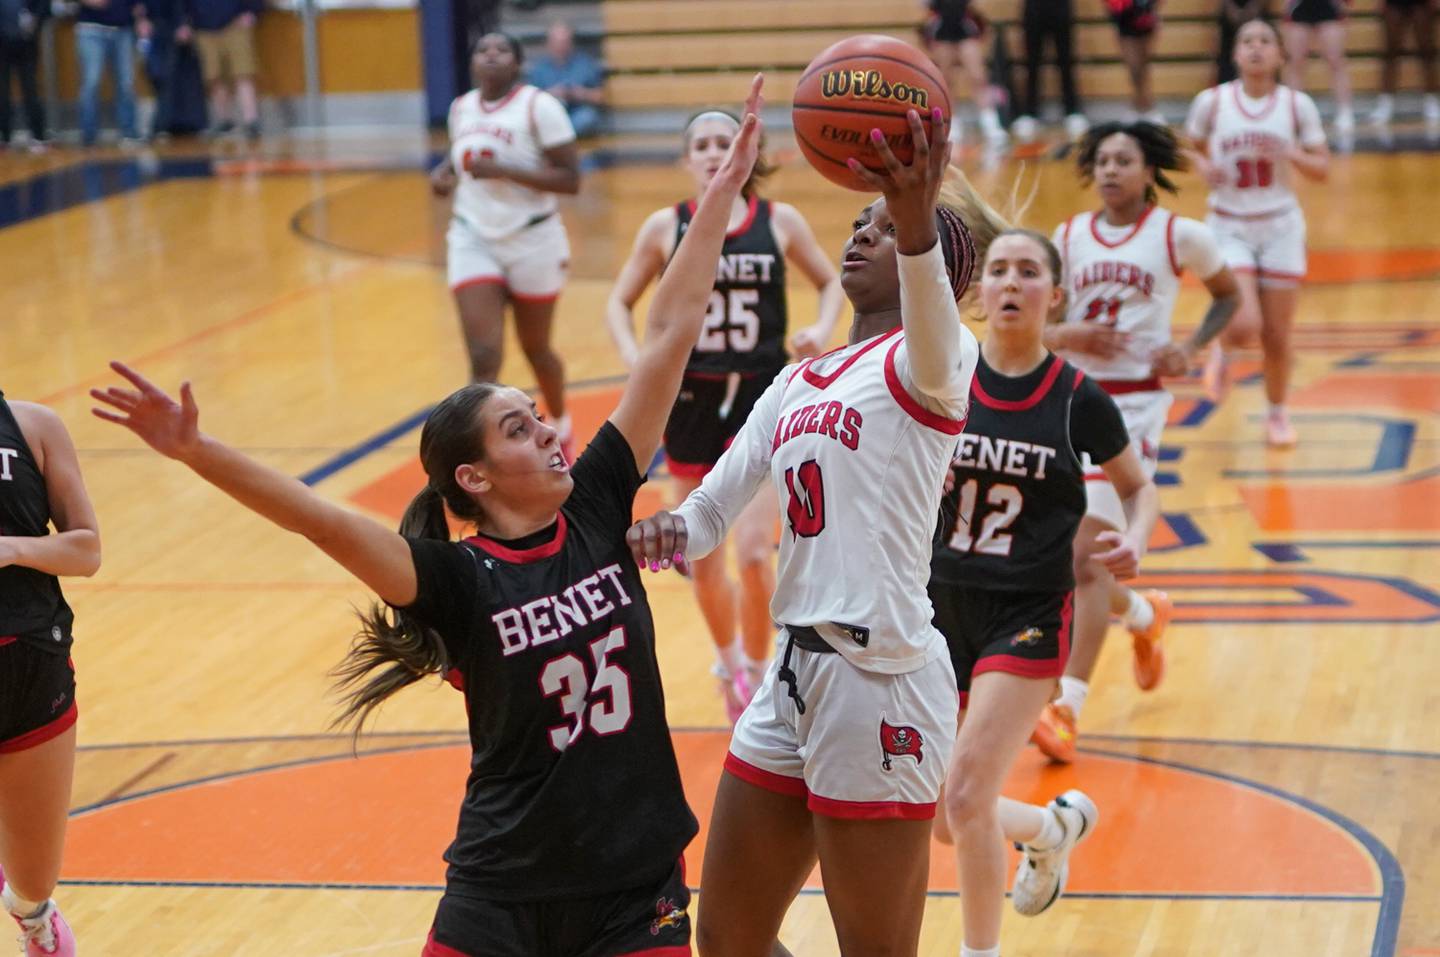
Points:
(392, 650)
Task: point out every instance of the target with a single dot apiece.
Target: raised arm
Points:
(647, 259)
(368, 550)
(678, 310)
(940, 364)
(75, 549)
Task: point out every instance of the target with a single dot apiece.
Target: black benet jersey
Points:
(1019, 495)
(745, 323)
(574, 789)
(32, 607)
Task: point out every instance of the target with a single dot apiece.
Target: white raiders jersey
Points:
(1249, 141)
(859, 463)
(516, 131)
(1128, 277)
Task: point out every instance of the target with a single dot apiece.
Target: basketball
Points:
(859, 84)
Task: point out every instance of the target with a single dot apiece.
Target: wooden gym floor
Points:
(1275, 795)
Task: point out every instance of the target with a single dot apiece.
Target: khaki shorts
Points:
(226, 53)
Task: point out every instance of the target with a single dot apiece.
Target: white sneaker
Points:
(957, 131)
(1076, 125)
(1040, 878)
(1025, 128)
(1430, 108)
(1345, 121)
(990, 127)
(1384, 109)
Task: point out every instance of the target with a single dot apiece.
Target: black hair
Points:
(1158, 144)
(758, 173)
(512, 41)
(391, 649)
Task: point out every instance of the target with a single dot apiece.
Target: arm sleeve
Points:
(606, 481)
(447, 585)
(727, 489)
(1197, 123)
(552, 123)
(939, 356)
(1196, 248)
(1307, 119)
(1096, 426)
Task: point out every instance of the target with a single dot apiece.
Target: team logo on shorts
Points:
(667, 914)
(1029, 637)
(898, 741)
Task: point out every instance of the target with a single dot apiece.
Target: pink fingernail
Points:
(936, 115)
(679, 557)
(876, 136)
(654, 566)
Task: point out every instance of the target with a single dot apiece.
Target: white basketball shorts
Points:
(532, 264)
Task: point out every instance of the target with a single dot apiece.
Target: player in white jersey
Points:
(1122, 275)
(842, 752)
(1249, 134)
(512, 149)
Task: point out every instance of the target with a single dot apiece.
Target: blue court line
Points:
(1185, 530)
(1392, 453)
(1392, 877)
(69, 186)
(1268, 745)
(1197, 415)
(1287, 552)
(1316, 594)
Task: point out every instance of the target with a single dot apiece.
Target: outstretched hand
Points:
(911, 191)
(740, 160)
(169, 427)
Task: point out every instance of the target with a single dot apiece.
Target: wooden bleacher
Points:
(679, 53)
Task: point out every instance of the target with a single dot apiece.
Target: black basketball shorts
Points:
(648, 921)
(1024, 633)
(37, 695)
(707, 415)
(1313, 12)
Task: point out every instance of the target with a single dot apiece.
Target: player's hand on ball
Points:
(1123, 558)
(169, 427)
(911, 191)
(658, 541)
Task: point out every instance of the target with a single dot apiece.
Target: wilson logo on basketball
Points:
(871, 85)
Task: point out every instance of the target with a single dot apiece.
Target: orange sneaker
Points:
(1149, 664)
(1055, 733)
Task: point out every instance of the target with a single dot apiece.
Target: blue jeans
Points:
(94, 44)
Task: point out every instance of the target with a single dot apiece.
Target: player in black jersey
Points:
(957, 33)
(1002, 582)
(737, 355)
(571, 832)
(40, 486)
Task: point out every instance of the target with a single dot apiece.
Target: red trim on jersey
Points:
(824, 381)
(745, 223)
(690, 470)
(455, 679)
(768, 780)
(1170, 244)
(1139, 225)
(33, 739)
(1018, 405)
(1278, 274)
(1269, 105)
(1127, 386)
(964, 700)
(478, 281)
(521, 297)
(871, 810)
(911, 406)
(527, 555)
(500, 103)
(1268, 214)
(1067, 616)
(660, 952)
(1079, 378)
(1096, 476)
(7, 639)
(433, 948)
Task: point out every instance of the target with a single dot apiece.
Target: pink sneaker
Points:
(46, 935)
(1215, 375)
(1279, 433)
(738, 692)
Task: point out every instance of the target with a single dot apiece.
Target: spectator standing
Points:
(1419, 16)
(105, 32)
(20, 49)
(225, 39)
(1233, 15)
(172, 70)
(571, 76)
(1324, 21)
(1053, 20)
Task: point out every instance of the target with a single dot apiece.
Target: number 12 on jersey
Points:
(992, 540)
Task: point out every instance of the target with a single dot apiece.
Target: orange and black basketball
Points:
(863, 83)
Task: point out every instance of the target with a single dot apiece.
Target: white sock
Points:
(730, 658)
(754, 670)
(19, 906)
(986, 952)
(1052, 832)
(1072, 694)
(1277, 411)
(1139, 615)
